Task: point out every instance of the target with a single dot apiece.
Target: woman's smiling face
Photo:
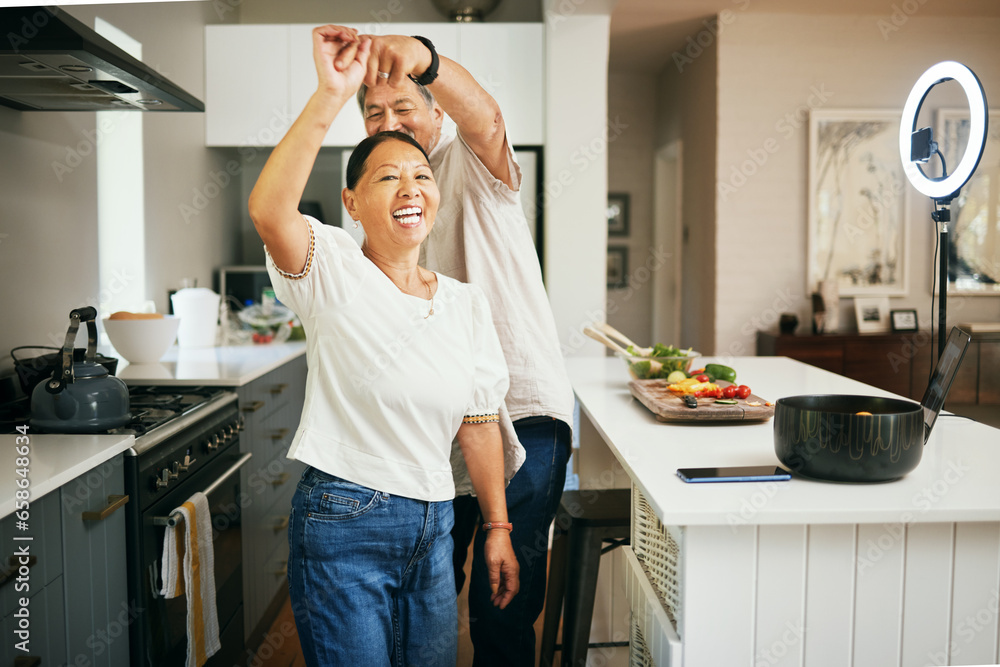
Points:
(396, 197)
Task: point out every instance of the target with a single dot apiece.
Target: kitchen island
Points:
(803, 572)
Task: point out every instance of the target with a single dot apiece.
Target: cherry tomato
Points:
(742, 391)
(729, 392)
(702, 378)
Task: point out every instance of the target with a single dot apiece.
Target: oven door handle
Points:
(176, 517)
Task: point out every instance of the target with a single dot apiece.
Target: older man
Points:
(481, 236)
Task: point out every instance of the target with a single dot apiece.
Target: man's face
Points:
(402, 109)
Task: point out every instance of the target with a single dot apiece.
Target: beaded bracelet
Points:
(498, 524)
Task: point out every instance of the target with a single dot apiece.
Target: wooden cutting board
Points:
(669, 407)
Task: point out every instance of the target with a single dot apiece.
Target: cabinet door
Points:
(45, 548)
(97, 608)
(880, 364)
(246, 85)
(47, 640)
(508, 60)
(828, 355)
(989, 378)
(272, 405)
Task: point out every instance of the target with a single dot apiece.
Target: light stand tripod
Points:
(917, 146)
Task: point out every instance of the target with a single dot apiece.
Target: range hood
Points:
(49, 61)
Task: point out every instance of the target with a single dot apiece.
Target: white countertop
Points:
(54, 460)
(955, 481)
(232, 366)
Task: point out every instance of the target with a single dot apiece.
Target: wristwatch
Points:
(427, 77)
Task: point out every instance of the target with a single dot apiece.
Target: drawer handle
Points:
(282, 478)
(253, 406)
(14, 561)
(114, 502)
(281, 525)
(280, 434)
(283, 572)
(278, 388)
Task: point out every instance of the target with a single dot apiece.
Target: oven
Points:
(196, 451)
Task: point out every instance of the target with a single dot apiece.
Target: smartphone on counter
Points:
(735, 474)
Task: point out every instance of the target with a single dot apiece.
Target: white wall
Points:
(576, 173)
(631, 123)
(48, 226)
(770, 66)
(687, 111)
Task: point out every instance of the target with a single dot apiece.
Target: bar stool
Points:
(585, 521)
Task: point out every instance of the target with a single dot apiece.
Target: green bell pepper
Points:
(720, 372)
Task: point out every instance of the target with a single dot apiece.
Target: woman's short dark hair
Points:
(359, 158)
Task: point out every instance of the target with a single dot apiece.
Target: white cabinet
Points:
(246, 85)
(259, 77)
(508, 61)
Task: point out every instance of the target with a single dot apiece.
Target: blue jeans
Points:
(507, 637)
(370, 576)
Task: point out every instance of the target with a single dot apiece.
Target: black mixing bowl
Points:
(829, 436)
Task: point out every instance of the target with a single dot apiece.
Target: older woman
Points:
(400, 360)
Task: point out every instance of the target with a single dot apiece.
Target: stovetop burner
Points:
(151, 407)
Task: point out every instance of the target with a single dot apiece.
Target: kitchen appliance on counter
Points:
(198, 310)
(186, 440)
(80, 397)
(245, 283)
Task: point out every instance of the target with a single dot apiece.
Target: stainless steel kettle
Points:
(80, 397)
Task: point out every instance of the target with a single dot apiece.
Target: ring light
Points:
(950, 184)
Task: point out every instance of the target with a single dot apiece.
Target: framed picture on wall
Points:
(617, 213)
(974, 232)
(857, 203)
(872, 314)
(617, 267)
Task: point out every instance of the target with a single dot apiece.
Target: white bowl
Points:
(142, 341)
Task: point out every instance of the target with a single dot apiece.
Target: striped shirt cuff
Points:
(309, 257)
(481, 419)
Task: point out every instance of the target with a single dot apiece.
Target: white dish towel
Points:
(189, 568)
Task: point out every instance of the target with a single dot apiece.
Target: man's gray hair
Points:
(424, 93)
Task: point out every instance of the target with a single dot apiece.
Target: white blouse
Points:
(387, 387)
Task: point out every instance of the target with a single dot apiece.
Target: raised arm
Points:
(474, 111)
(274, 201)
(483, 452)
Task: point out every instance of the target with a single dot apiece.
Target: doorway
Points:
(667, 236)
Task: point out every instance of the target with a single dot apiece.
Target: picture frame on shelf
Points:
(617, 213)
(872, 314)
(903, 319)
(617, 267)
(857, 212)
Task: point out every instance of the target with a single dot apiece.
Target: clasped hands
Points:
(345, 59)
